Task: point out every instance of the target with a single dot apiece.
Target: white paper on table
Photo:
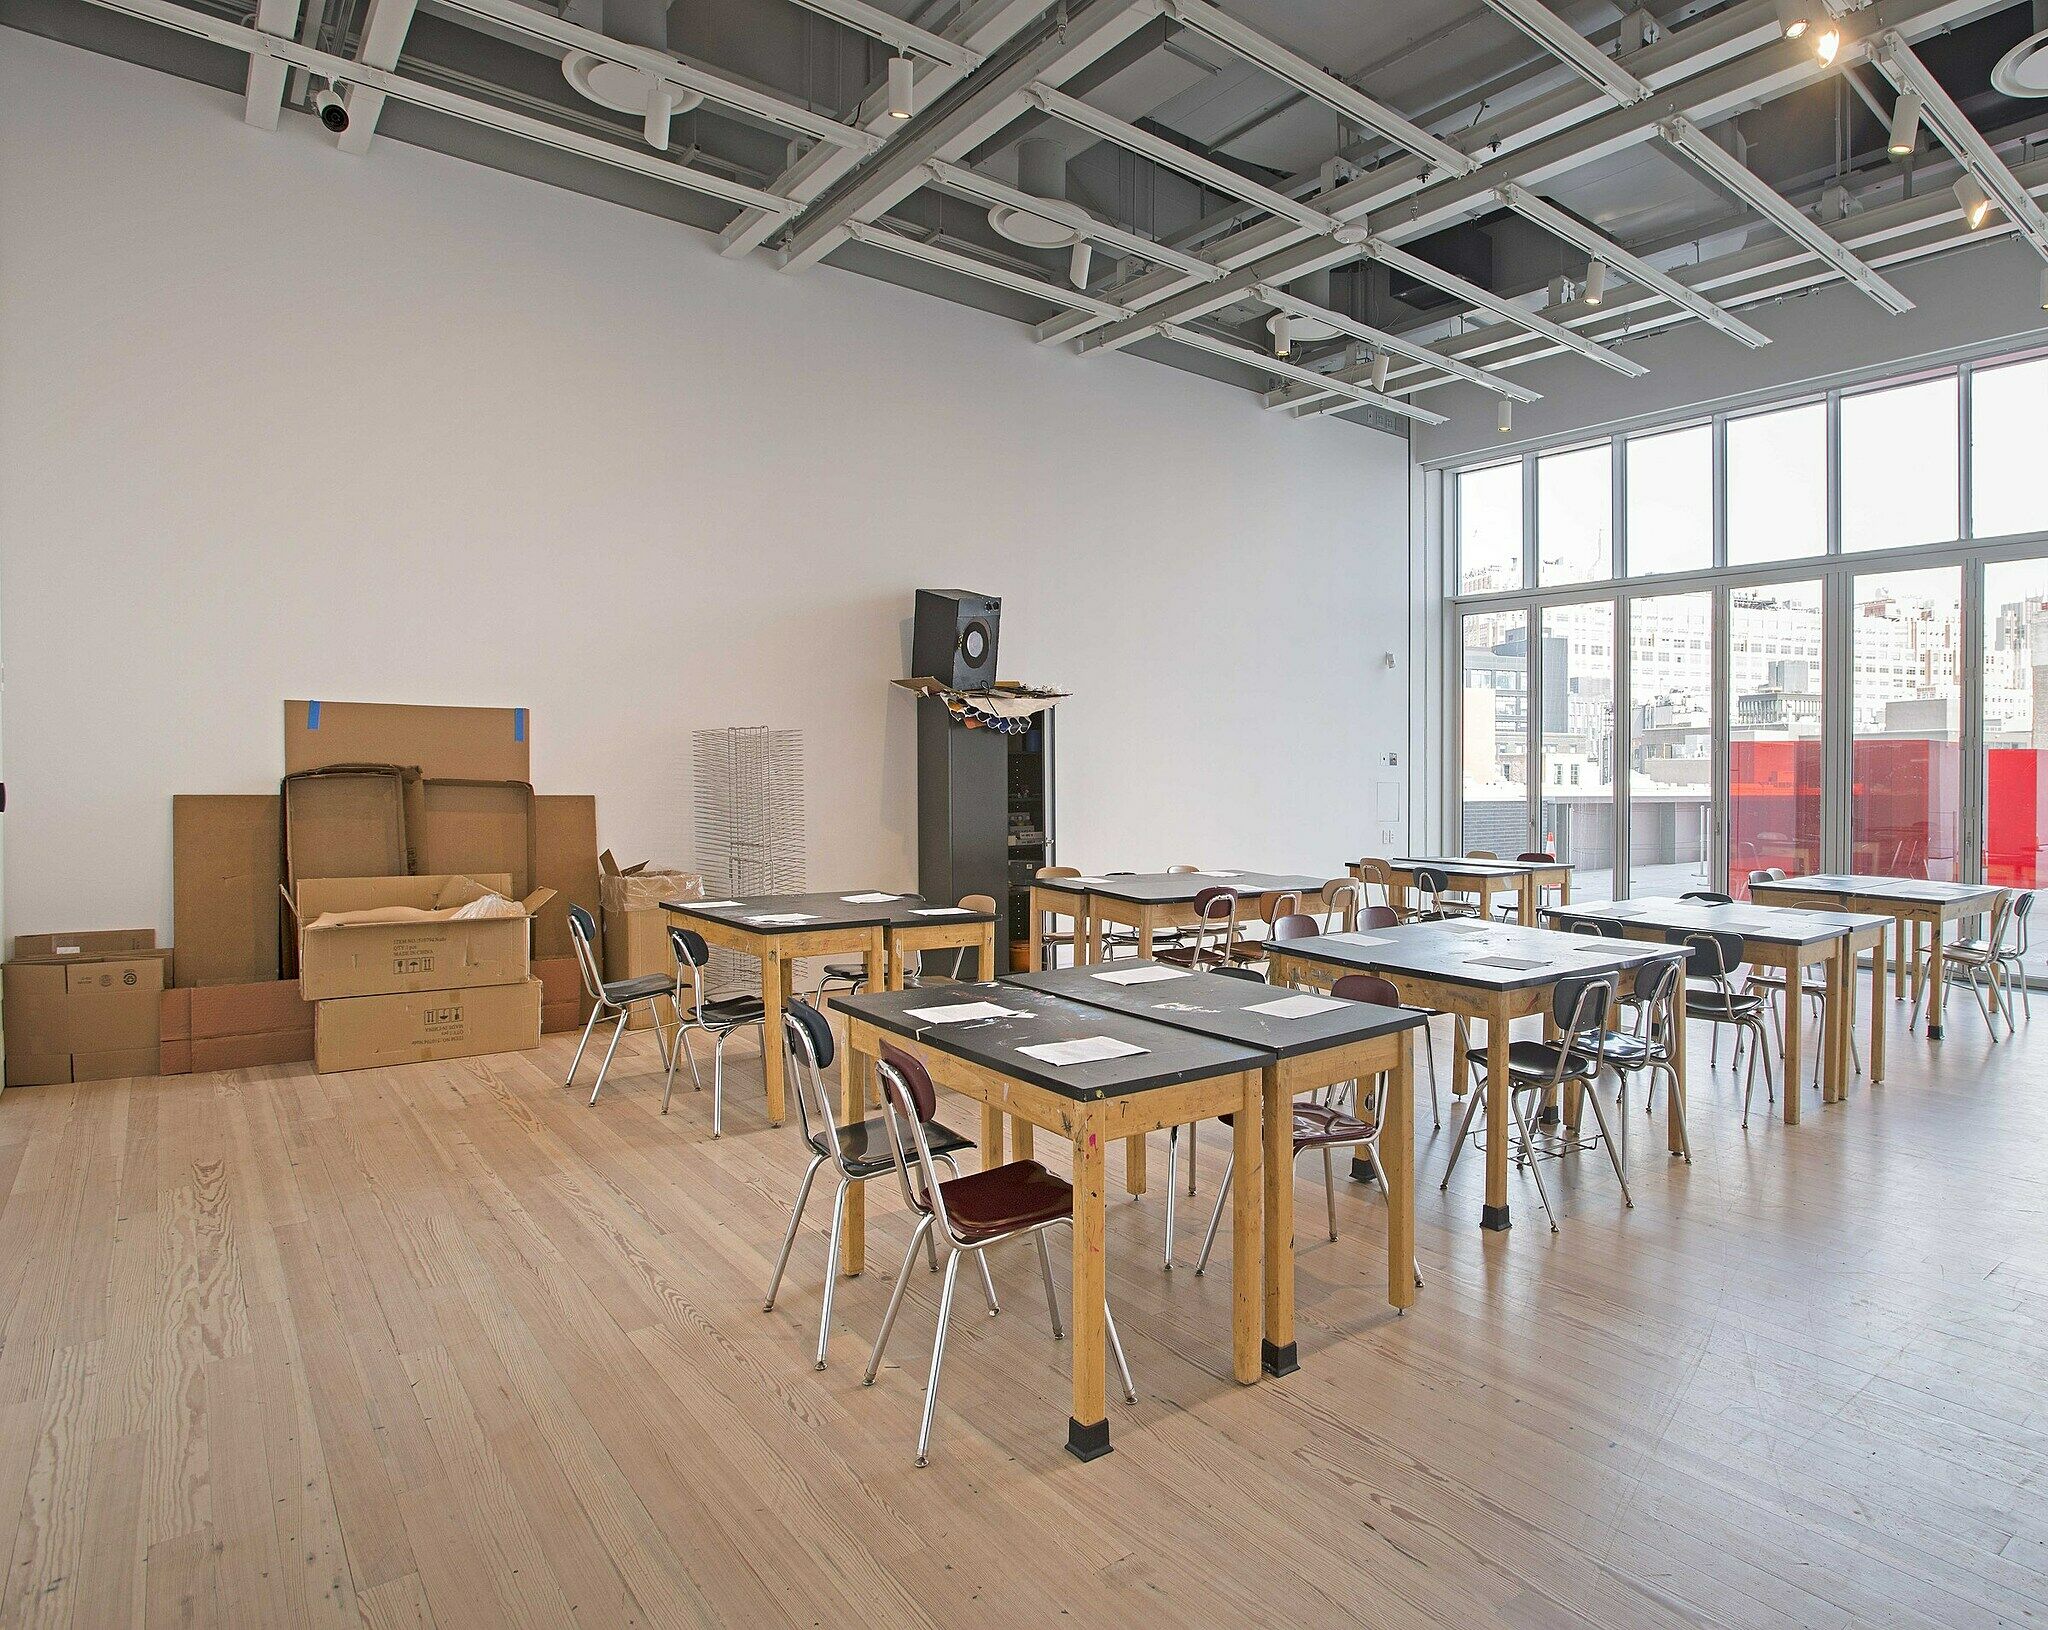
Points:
(785, 917)
(869, 899)
(1142, 976)
(1358, 939)
(962, 1012)
(1297, 1007)
(709, 905)
(1082, 1050)
(936, 911)
(1072, 882)
(1219, 874)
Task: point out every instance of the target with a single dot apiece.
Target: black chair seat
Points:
(865, 1151)
(1627, 1052)
(1537, 1060)
(732, 1010)
(1711, 1004)
(638, 989)
(856, 971)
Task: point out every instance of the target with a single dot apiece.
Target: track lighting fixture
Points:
(1976, 203)
(1382, 360)
(1793, 18)
(1560, 290)
(1504, 416)
(2044, 288)
(1826, 42)
(902, 93)
(661, 107)
(1281, 329)
(1905, 125)
(1596, 281)
(1078, 263)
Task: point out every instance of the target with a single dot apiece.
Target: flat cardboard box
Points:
(344, 823)
(249, 1010)
(247, 1052)
(463, 828)
(114, 1064)
(174, 1016)
(226, 863)
(363, 1032)
(555, 1017)
(565, 860)
(466, 743)
(424, 954)
(174, 1057)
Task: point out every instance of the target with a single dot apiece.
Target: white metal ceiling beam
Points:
(971, 183)
(1217, 177)
(891, 30)
(1896, 61)
(774, 110)
(1574, 231)
(1578, 53)
(955, 125)
(1314, 254)
(1316, 84)
(1774, 207)
(1393, 344)
(383, 38)
(1486, 300)
(263, 93)
(1289, 370)
(932, 254)
(346, 70)
(980, 28)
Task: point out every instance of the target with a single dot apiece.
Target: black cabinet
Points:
(1030, 837)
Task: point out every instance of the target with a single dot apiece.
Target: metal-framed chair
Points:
(2013, 959)
(1343, 900)
(1215, 932)
(1984, 962)
(1387, 917)
(966, 1216)
(1321, 1123)
(1377, 874)
(612, 999)
(1711, 960)
(1050, 939)
(1579, 1007)
(859, 1154)
(718, 1018)
(1650, 1044)
(1249, 949)
(1708, 897)
(1510, 910)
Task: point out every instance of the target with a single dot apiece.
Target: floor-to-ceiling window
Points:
(1810, 634)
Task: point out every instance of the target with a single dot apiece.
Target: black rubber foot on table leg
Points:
(1362, 1172)
(1934, 1032)
(1087, 1442)
(1494, 1217)
(1276, 1359)
(1548, 1117)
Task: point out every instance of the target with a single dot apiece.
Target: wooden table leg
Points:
(1525, 887)
(1247, 1216)
(1034, 939)
(1877, 1011)
(1088, 1425)
(1397, 1155)
(1088, 934)
(1498, 1120)
(1134, 1147)
(1795, 1003)
(1936, 984)
(1277, 1120)
(776, 975)
(1902, 929)
(1674, 1083)
(1835, 1045)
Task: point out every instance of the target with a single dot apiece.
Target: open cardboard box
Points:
(383, 936)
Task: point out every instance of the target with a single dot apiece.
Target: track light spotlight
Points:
(332, 110)
(1905, 125)
(1078, 264)
(902, 93)
(1826, 43)
(1792, 18)
(1382, 360)
(1976, 204)
(2044, 288)
(661, 107)
(1278, 326)
(1596, 281)
(1504, 417)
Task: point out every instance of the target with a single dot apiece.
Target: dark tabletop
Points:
(1847, 885)
(1170, 888)
(1768, 925)
(1472, 953)
(1212, 1005)
(1467, 866)
(827, 910)
(1171, 1056)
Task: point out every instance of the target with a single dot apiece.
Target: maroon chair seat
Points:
(1003, 1199)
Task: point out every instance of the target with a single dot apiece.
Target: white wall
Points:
(278, 422)
(1966, 302)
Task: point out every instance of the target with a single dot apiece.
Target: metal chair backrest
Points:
(1769, 874)
(1481, 854)
(1275, 906)
(2022, 909)
(1296, 925)
(1580, 1006)
(2001, 920)
(1215, 912)
(910, 1100)
(1365, 987)
(1537, 857)
(1597, 928)
(1708, 897)
(1429, 885)
(1343, 899)
(807, 1042)
(1654, 985)
(1057, 871)
(583, 935)
(692, 954)
(1231, 971)
(1182, 871)
(1713, 956)
(1379, 917)
(1376, 873)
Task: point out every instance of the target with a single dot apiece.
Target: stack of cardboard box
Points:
(83, 1007)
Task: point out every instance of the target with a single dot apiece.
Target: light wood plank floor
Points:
(443, 1346)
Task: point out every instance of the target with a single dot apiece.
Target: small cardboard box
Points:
(636, 928)
(362, 1032)
(83, 1007)
(382, 936)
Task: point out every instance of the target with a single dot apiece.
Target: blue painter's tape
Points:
(312, 715)
(519, 724)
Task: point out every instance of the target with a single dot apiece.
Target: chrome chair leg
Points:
(1216, 1216)
(895, 1301)
(1474, 1095)
(1436, 1113)
(1116, 1351)
(576, 1063)
(831, 1268)
(718, 1085)
(1535, 1167)
(1330, 1190)
(1052, 1296)
(1172, 1188)
(1613, 1154)
(796, 1216)
(681, 1050)
(618, 1030)
(931, 1390)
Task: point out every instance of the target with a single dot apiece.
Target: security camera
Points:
(332, 109)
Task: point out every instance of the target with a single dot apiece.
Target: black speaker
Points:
(953, 638)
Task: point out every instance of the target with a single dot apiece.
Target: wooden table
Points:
(1526, 879)
(885, 934)
(1773, 938)
(1909, 902)
(1301, 1055)
(1179, 1077)
(1448, 965)
(1148, 903)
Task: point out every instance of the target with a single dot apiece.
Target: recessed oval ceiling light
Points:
(1032, 230)
(2023, 71)
(614, 85)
